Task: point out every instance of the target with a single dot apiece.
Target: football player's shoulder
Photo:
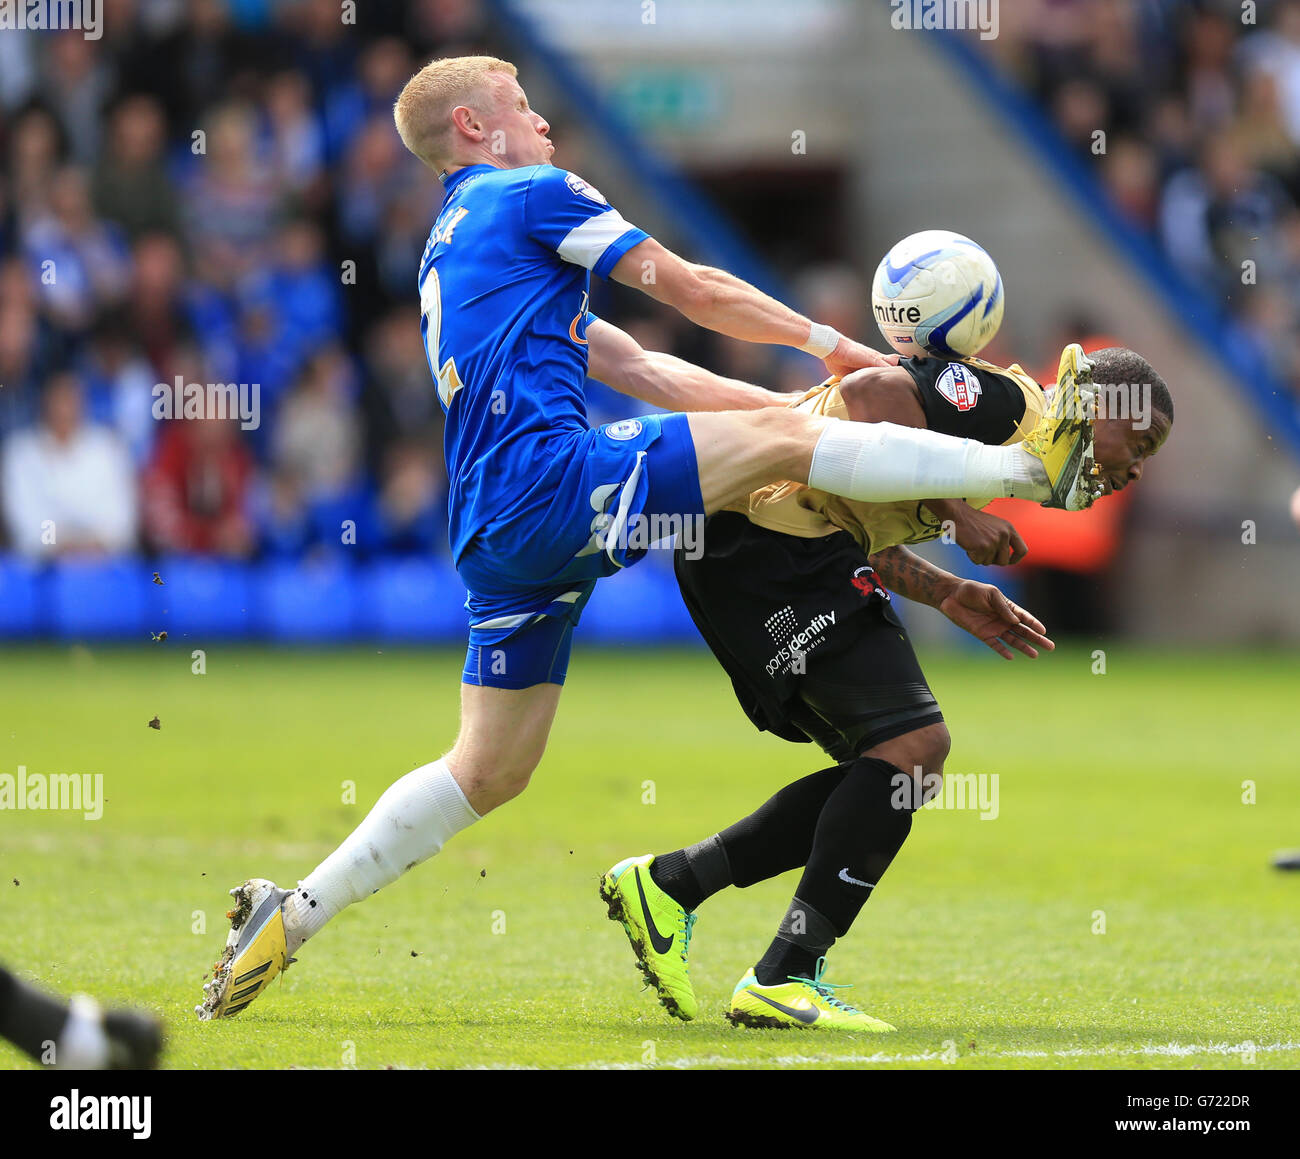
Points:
(510, 180)
(562, 183)
(1013, 371)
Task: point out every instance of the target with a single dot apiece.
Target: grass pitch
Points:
(1120, 802)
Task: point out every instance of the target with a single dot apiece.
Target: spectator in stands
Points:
(20, 347)
(305, 292)
(295, 139)
(1207, 67)
(36, 151)
(1276, 54)
(234, 206)
(81, 264)
(196, 490)
(119, 384)
(1220, 214)
(317, 438)
(367, 97)
(325, 50)
(76, 83)
(68, 485)
(1082, 109)
(396, 401)
(156, 310)
(374, 173)
(1132, 177)
(1260, 132)
(411, 510)
(131, 184)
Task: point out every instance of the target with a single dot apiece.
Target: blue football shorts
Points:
(605, 495)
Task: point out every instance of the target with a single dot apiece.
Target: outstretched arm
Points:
(979, 609)
(721, 302)
(619, 360)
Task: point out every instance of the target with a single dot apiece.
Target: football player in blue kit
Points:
(541, 505)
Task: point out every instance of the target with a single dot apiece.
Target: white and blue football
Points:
(937, 292)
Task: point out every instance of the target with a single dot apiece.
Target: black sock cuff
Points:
(805, 927)
(708, 861)
(904, 792)
(671, 872)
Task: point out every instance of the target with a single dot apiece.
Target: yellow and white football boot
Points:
(1062, 441)
(255, 950)
(799, 1003)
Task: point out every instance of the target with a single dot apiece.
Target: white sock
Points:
(883, 463)
(413, 820)
(83, 1042)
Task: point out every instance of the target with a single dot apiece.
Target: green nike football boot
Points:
(805, 1003)
(659, 930)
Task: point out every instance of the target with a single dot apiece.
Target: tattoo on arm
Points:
(911, 576)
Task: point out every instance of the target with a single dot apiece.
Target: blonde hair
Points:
(423, 108)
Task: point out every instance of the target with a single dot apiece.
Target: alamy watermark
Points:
(921, 790)
(958, 15)
(84, 16)
(212, 400)
(641, 532)
(78, 792)
(1129, 402)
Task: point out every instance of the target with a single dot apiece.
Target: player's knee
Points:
(510, 783)
(489, 776)
(487, 787)
(937, 744)
(920, 755)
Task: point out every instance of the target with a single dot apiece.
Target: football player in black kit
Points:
(790, 594)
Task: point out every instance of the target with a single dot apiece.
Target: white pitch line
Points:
(1170, 1050)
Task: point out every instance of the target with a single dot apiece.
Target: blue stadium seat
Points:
(308, 602)
(413, 599)
(94, 599)
(206, 598)
(21, 612)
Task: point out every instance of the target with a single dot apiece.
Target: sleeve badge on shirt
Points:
(578, 185)
(959, 386)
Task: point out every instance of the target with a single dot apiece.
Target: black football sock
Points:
(778, 835)
(805, 935)
(692, 874)
(29, 1018)
(862, 828)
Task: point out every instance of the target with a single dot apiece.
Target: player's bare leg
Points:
(739, 451)
(503, 734)
(502, 737)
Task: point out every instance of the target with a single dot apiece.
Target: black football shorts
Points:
(810, 639)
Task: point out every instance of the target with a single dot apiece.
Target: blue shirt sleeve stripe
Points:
(609, 259)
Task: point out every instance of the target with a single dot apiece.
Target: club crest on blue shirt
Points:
(578, 185)
(624, 429)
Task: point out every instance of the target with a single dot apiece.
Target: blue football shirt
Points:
(503, 296)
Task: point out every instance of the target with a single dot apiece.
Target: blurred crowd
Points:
(214, 193)
(1199, 104)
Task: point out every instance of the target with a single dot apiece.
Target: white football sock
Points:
(412, 821)
(83, 1043)
(883, 463)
